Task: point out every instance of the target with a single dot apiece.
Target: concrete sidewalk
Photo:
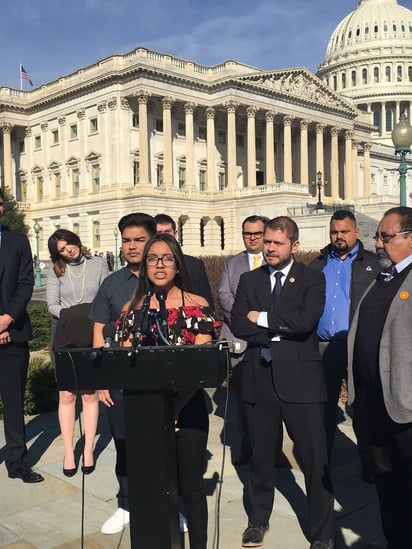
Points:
(49, 515)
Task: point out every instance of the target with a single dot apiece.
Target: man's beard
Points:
(341, 247)
(384, 261)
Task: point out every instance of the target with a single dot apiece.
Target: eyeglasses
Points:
(166, 260)
(386, 237)
(259, 234)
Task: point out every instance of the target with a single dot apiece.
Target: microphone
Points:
(109, 335)
(162, 324)
(161, 298)
(137, 340)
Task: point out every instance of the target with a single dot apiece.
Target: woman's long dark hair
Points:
(59, 263)
(182, 279)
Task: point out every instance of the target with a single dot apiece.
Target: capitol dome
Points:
(369, 61)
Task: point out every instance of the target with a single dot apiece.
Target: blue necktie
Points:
(266, 353)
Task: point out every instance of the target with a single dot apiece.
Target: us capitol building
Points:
(146, 131)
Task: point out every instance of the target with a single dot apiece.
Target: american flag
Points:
(25, 75)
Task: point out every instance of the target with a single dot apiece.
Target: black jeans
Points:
(117, 428)
(191, 454)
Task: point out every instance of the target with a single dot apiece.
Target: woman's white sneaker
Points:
(116, 522)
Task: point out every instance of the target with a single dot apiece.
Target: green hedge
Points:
(40, 320)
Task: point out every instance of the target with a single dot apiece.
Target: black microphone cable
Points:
(216, 536)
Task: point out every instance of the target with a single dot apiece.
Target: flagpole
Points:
(21, 79)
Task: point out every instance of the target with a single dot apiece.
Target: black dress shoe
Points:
(69, 472)
(244, 458)
(26, 474)
(323, 544)
(88, 469)
(254, 534)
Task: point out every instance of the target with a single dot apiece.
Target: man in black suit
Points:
(195, 266)
(276, 310)
(16, 287)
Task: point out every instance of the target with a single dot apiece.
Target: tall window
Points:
(55, 137)
(377, 119)
(202, 180)
(75, 181)
(181, 129)
(95, 178)
(37, 142)
(182, 177)
(343, 80)
(73, 131)
(222, 181)
(93, 125)
(159, 125)
(96, 234)
(57, 184)
(201, 133)
(76, 228)
(376, 74)
(159, 174)
(136, 172)
(389, 119)
(39, 182)
(135, 120)
(399, 73)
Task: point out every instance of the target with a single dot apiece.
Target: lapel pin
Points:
(292, 280)
(404, 295)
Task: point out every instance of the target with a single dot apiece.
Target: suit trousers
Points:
(305, 425)
(392, 464)
(14, 363)
(335, 366)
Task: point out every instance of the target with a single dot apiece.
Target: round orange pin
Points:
(404, 295)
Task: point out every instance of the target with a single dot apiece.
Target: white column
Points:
(355, 169)
(348, 174)
(210, 144)
(167, 103)
(270, 148)
(304, 154)
(334, 162)
(319, 149)
(367, 169)
(144, 172)
(251, 146)
(8, 172)
(287, 148)
(190, 144)
(231, 107)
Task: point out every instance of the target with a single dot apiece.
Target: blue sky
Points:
(55, 37)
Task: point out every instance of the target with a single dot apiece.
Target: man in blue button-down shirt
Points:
(348, 269)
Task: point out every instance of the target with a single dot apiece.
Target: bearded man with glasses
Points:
(380, 364)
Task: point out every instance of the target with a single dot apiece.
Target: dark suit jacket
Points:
(198, 277)
(16, 282)
(296, 363)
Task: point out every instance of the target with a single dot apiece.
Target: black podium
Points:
(148, 376)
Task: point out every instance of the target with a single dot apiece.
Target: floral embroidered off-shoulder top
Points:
(184, 324)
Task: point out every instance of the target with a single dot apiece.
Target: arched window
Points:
(366, 30)
(343, 80)
(399, 73)
(364, 76)
(96, 234)
(387, 73)
(353, 77)
(375, 29)
(376, 74)
(357, 32)
(410, 74)
(335, 82)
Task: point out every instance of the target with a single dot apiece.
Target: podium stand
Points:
(148, 376)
